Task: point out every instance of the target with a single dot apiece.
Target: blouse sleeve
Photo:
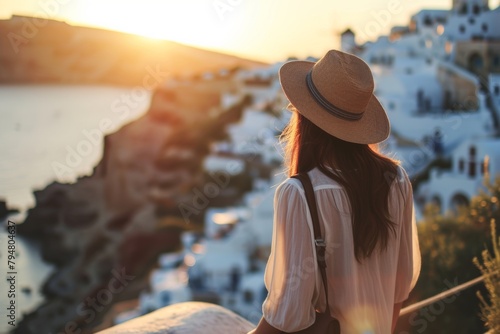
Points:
(291, 269)
(409, 263)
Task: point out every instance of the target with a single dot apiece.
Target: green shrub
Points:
(490, 268)
(447, 244)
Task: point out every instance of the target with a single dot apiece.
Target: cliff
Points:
(34, 50)
(106, 231)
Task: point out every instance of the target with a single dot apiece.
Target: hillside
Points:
(48, 51)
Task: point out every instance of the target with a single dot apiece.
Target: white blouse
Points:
(361, 295)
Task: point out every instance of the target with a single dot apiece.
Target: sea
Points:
(50, 133)
(22, 279)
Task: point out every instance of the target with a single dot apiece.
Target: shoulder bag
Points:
(324, 323)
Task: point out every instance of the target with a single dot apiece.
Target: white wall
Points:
(473, 26)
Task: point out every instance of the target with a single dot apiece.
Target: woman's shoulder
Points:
(402, 183)
(401, 175)
(323, 181)
(318, 180)
(289, 185)
(289, 194)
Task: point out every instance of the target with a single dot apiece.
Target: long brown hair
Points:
(365, 175)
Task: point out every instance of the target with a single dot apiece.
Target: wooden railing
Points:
(442, 295)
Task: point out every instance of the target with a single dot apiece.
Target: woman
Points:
(364, 201)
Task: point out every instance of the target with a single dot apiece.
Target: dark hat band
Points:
(322, 101)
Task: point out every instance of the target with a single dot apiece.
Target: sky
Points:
(266, 30)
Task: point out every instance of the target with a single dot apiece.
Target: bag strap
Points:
(318, 240)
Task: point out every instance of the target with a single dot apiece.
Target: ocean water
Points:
(30, 272)
(54, 132)
(47, 133)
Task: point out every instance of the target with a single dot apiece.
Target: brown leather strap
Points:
(318, 240)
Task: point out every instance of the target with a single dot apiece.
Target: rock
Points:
(185, 318)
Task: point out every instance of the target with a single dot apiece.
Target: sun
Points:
(191, 22)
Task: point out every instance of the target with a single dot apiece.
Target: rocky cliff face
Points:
(105, 231)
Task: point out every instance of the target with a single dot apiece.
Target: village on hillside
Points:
(439, 80)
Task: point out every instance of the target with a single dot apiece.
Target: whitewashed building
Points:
(430, 77)
(474, 162)
(472, 19)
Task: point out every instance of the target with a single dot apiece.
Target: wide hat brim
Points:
(373, 127)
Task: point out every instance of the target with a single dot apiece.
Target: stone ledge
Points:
(185, 318)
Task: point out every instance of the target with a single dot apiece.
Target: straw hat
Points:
(336, 94)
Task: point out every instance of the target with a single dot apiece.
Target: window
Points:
(427, 21)
(476, 9)
(248, 297)
(484, 26)
(472, 152)
(462, 29)
(447, 103)
(472, 169)
(420, 100)
(461, 166)
(496, 60)
(497, 90)
(472, 162)
(472, 20)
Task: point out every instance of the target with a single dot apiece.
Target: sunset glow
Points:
(171, 20)
(258, 29)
